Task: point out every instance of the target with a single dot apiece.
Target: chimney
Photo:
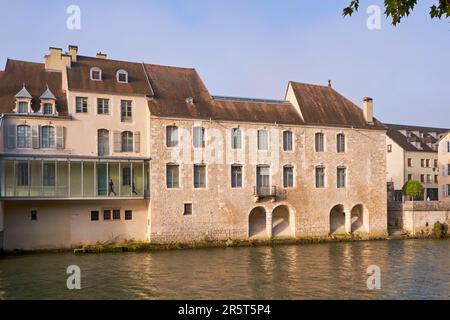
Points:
(101, 55)
(56, 60)
(368, 110)
(73, 51)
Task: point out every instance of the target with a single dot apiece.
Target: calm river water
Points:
(412, 269)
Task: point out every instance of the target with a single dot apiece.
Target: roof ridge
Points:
(252, 100)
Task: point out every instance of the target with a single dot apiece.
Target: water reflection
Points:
(410, 270)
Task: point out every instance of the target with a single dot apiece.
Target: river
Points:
(410, 269)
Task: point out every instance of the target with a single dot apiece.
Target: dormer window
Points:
(48, 108)
(48, 102)
(96, 74)
(23, 101)
(122, 76)
(23, 107)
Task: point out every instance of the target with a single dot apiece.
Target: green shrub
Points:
(439, 230)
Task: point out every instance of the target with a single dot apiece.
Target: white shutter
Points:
(60, 133)
(137, 142)
(117, 141)
(11, 136)
(35, 136)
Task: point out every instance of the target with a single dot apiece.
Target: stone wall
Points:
(417, 217)
(221, 212)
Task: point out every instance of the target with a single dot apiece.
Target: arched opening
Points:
(281, 222)
(257, 223)
(359, 219)
(337, 219)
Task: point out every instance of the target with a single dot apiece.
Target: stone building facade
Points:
(184, 165)
(444, 165)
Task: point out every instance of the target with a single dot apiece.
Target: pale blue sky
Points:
(252, 48)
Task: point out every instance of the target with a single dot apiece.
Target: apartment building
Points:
(96, 149)
(412, 154)
(444, 165)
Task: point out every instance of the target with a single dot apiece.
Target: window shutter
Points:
(117, 141)
(11, 136)
(443, 170)
(35, 136)
(60, 133)
(137, 142)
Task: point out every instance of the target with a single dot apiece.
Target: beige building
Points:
(412, 154)
(444, 165)
(95, 149)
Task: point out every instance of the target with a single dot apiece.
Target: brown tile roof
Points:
(322, 105)
(79, 77)
(424, 137)
(35, 78)
(256, 111)
(172, 86)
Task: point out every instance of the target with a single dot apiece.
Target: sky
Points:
(251, 48)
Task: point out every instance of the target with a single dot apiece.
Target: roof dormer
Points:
(23, 101)
(96, 74)
(48, 100)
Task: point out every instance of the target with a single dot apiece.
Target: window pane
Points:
(236, 138)
(172, 174)
(171, 136)
(22, 174)
(341, 177)
(236, 176)
(319, 143)
(127, 141)
(287, 141)
(340, 143)
(288, 177)
(320, 177)
(103, 142)
(23, 107)
(49, 174)
(262, 140)
(199, 137)
(23, 137)
(126, 110)
(199, 176)
(103, 106)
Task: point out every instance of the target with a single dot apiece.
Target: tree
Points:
(398, 9)
(413, 189)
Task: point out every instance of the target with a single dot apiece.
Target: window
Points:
(171, 136)
(422, 163)
(126, 176)
(102, 106)
(448, 169)
(22, 174)
(389, 148)
(33, 215)
(48, 108)
(94, 215)
(410, 162)
(448, 146)
(127, 141)
(428, 178)
(106, 214)
(340, 143)
(126, 112)
(81, 105)
(199, 137)
(448, 190)
(172, 176)
(263, 177)
(199, 176)
(288, 176)
(48, 174)
(236, 138)
(128, 215)
(436, 178)
(236, 176)
(410, 177)
(116, 214)
(287, 141)
(103, 142)
(187, 209)
(23, 136)
(96, 74)
(23, 107)
(48, 137)
(422, 178)
(319, 142)
(122, 76)
(427, 163)
(435, 163)
(262, 140)
(341, 177)
(320, 177)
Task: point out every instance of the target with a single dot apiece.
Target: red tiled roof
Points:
(35, 78)
(322, 105)
(79, 77)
